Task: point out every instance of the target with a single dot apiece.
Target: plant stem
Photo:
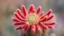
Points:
(43, 33)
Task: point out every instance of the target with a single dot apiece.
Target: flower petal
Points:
(42, 20)
(44, 26)
(39, 9)
(50, 17)
(27, 26)
(18, 17)
(19, 13)
(46, 18)
(15, 20)
(24, 10)
(33, 28)
(39, 29)
(41, 14)
(49, 12)
(19, 23)
(50, 26)
(20, 27)
(51, 23)
(31, 8)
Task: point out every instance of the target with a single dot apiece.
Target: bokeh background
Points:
(7, 7)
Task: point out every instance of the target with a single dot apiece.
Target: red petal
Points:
(50, 17)
(24, 10)
(17, 16)
(33, 28)
(50, 26)
(32, 8)
(19, 13)
(15, 20)
(19, 23)
(51, 23)
(42, 13)
(20, 27)
(39, 9)
(44, 26)
(42, 20)
(27, 26)
(42, 16)
(39, 29)
(49, 12)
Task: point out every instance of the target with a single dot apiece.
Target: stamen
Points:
(32, 18)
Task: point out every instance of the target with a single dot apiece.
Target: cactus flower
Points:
(32, 19)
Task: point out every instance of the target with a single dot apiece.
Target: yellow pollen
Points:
(32, 18)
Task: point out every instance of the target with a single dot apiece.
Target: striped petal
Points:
(18, 17)
(19, 13)
(51, 23)
(44, 26)
(41, 14)
(50, 26)
(15, 20)
(27, 26)
(20, 27)
(19, 23)
(24, 10)
(50, 17)
(31, 8)
(39, 29)
(38, 10)
(49, 12)
(33, 28)
(42, 20)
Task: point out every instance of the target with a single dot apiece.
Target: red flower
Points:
(33, 19)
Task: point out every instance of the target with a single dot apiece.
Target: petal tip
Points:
(23, 5)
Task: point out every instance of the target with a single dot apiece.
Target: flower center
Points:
(32, 18)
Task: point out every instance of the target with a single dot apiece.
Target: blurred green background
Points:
(7, 7)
